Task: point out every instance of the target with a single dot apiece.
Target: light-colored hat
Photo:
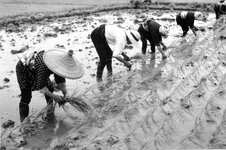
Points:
(63, 63)
(164, 29)
(224, 3)
(198, 15)
(134, 37)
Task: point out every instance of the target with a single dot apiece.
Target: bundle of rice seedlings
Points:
(77, 103)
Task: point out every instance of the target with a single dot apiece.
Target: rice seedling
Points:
(177, 104)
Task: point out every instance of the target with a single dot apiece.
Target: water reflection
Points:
(47, 129)
(147, 65)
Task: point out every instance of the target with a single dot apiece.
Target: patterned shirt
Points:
(38, 77)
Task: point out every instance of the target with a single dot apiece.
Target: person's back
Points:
(223, 9)
(114, 34)
(220, 9)
(186, 20)
(117, 37)
(186, 17)
(152, 31)
(153, 28)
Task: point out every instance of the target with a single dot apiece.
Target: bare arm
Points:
(62, 87)
(163, 46)
(127, 64)
(57, 98)
(193, 30)
(118, 50)
(161, 51)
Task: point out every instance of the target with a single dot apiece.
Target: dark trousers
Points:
(219, 10)
(26, 91)
(145, 35)
(184, 25)
(26, 95)
(103, 50)
(181, 22)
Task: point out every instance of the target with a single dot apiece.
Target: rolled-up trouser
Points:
(24, 103)
(26, 95)
(103, 50)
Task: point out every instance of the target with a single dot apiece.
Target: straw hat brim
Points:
(60, 63)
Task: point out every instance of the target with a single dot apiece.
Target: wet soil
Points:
(176, 103)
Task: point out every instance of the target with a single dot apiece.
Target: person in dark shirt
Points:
(220, 8)
(186, 19)
(153, 32)
(33, 71)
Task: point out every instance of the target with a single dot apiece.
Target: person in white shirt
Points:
(118, 37)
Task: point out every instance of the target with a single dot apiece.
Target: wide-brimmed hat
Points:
(224, 3)
(198, 15)
(134, 37)
(164, 30)
(63, 63)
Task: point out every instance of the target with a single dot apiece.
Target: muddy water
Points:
(20, 7)
(138, 109)
(76, 37)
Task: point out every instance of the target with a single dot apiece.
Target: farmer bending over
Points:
(153, 32)
(114, 35)
(220, 8)
(33, 72)
(185, 19)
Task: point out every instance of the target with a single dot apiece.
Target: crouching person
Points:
(33, 72)
(106, 35)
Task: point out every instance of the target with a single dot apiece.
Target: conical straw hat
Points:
(63, 63)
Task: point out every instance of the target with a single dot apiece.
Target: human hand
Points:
(58, 98)
(164, 48)
(62, 87)
(126, 58)
(56, 89)
(196, 38)
(66, 97)
(128, 65)
(164, 56)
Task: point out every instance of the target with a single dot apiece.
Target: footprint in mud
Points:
(113, 111)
